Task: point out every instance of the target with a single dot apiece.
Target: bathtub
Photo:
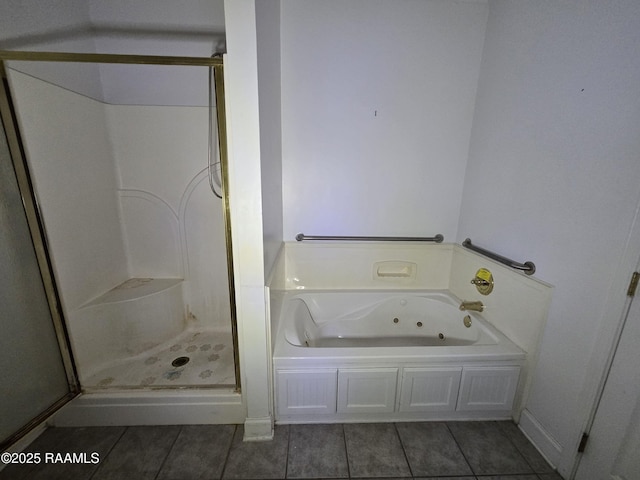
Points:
(383, 319)
(389, 355)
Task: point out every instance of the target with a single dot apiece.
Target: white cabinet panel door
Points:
(483, 388)
(367, 390)
(306, 391)
(430, 389)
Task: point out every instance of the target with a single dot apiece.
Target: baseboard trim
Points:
(258, 429)
(548, 446)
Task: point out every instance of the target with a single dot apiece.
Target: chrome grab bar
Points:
(528, 268)
(437, 239)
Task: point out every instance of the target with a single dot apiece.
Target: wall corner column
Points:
(245, 200)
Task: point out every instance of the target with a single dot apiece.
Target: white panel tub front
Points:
(367, 390)
(430, 389)
(488, 388)
(306, 391)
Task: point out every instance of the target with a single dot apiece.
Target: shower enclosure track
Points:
(216, 64)
(110, 58)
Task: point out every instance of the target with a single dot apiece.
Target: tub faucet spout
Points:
(476, 306)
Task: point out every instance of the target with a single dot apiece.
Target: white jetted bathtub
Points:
(389, 355)
(383, 319)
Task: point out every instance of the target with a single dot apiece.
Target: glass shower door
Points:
(33, 379)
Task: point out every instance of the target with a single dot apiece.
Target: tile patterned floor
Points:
(211, 362)
(433, 450)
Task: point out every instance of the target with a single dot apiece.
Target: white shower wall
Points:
(124, 193)
(172, 223)
(65, 137)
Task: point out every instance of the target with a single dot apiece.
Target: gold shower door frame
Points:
(34, 217)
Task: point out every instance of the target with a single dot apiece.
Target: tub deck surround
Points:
(324, 291)
(518, 305)
(370, 265)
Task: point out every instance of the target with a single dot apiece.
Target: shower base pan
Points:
(153, 389)
(195, 358)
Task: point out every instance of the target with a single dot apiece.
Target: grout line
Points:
(164, 461)
(461, 450)
(286, 456)
(103, 460)
(515, 445)
(395, 426)
(226, 458)
(346, 451)
(236, 428)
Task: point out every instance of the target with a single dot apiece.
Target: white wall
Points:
(56, 25)
(192, 28)
(268, 37)
(377, 103)
(553, 177)
(168, 16)
(31, 21)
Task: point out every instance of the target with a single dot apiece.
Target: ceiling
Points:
(142, 27)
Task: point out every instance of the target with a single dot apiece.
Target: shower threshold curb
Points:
(153, 407)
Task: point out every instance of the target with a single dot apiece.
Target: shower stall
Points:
(125, 157)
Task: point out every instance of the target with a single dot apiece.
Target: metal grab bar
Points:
(527, 267)
(437, 239)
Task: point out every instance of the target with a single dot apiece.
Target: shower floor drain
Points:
(180, 361)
